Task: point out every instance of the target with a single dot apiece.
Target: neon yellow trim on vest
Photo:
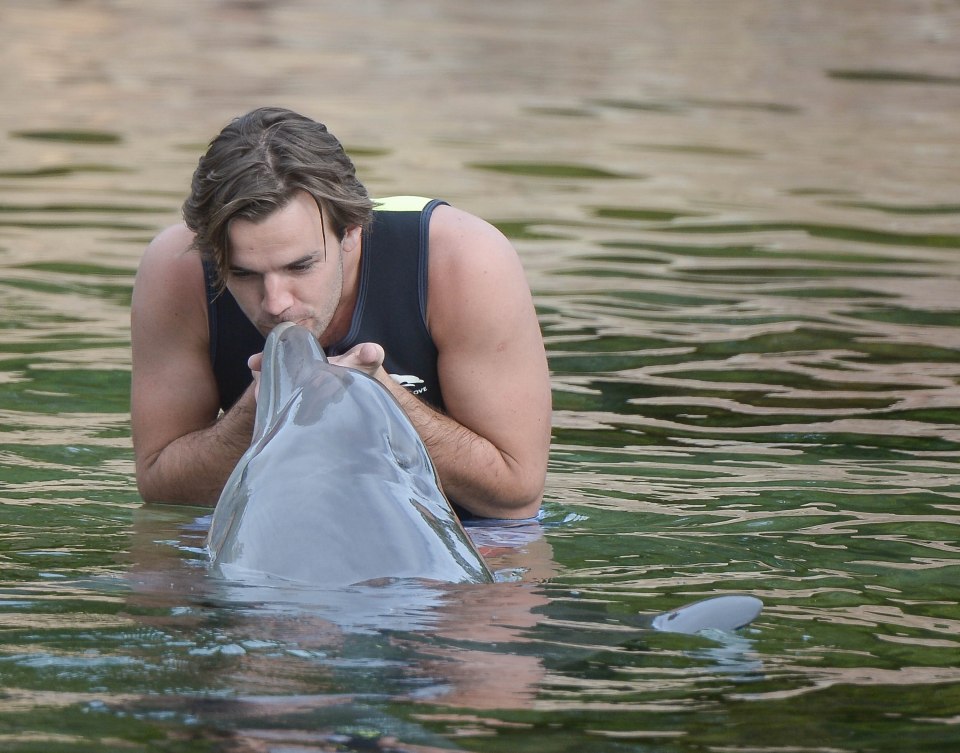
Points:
(401, 204)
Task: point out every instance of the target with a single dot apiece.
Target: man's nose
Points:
(276, 295)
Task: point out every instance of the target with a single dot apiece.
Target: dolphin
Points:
(336, 488)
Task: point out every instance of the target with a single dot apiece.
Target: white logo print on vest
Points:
(411, 382)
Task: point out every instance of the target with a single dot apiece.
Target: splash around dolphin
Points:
(336, 487)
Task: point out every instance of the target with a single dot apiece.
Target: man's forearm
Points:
(194, 468)
(473, 471)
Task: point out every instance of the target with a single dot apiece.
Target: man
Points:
(278, 227)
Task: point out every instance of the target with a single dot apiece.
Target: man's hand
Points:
(365, 357)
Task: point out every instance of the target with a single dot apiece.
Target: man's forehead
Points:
(289, 234)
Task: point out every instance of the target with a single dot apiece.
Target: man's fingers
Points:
(367, 357)
(255, 364)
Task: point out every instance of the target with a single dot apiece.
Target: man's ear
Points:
(351, 238)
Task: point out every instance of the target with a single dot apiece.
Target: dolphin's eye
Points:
(403, 457)
(406, 451)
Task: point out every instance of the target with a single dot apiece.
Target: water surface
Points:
(740, 223)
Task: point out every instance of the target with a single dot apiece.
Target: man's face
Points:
(288, 267)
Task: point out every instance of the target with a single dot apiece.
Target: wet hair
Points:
(255, 166)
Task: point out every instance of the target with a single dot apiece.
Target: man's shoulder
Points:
(473, 267)
(170, 275)
(457, 238)
(171, 252)
(462, 238)
(176, 238)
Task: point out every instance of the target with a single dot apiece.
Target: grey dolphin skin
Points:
(336, 488)
(726, 613)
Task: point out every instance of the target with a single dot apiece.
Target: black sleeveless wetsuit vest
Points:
(391, 307)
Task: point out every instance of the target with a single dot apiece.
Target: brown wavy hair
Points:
(256, 165)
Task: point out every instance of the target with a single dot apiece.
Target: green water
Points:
(740, 224)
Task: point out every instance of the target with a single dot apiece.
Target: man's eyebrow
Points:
(306, 259)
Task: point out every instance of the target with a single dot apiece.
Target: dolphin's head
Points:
(337, 485)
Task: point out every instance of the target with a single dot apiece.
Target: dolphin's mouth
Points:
(290, 351)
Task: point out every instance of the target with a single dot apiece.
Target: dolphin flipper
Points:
(725, 613)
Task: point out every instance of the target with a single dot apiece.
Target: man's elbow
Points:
(149, 492)
(526, 492)
(149, 485)
(145, 473)
(155, 487)
(153, 491)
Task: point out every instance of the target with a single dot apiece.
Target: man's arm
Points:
(183, 453)
(491, 446)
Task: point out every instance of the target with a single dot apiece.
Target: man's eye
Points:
(240, 274)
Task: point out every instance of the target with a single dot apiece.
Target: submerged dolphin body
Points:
(336, 488)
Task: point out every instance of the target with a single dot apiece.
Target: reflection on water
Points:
(740, 222)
